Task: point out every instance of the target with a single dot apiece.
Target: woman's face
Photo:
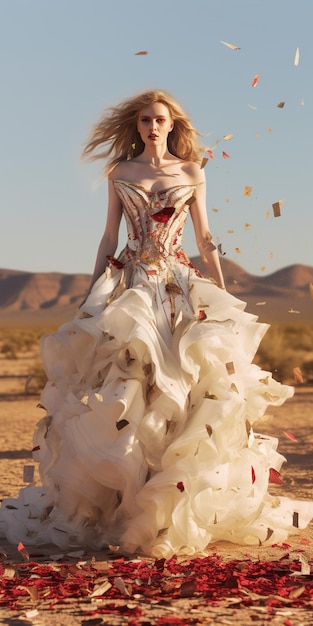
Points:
(154, 124)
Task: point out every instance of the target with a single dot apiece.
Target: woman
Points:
(148, 443)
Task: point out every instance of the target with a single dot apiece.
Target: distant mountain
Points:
(53, 297)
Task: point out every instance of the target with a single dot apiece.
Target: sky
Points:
(63, 61)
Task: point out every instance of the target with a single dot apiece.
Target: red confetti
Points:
(275, 477)
(141, 53)
(210, 578)
(180, 486)
(202, 315)
(255, 80)
(252, 474)
(211, 155)
(22, 550)
(225, 155)
(290, 436)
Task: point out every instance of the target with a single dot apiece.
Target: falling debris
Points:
(277, 208)
(281, 105)
(230, 45)
(141, 53)
(298, 375)
(247, 226)
(230, 368)
(297, 57)
(290, 436)
(237, 250)
(228, 137)
(225, 155)
(255, 80)
(247, 191)
(28, 473)
(211, 155)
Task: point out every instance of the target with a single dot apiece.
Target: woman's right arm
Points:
(109, 241)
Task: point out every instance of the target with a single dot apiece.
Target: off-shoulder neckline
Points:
(133, 184)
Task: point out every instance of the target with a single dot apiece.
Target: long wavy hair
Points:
(115, 136)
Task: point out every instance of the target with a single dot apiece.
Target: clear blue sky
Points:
(63, 61)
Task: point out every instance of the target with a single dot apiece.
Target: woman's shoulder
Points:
(193, 171)
(120, 170)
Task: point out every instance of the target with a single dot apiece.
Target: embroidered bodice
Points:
(155, 220)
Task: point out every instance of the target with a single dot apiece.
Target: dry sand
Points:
(18, 417)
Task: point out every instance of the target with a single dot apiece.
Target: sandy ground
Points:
(18, 416)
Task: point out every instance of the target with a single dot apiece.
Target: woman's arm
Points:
(109, 241)
(204, 239)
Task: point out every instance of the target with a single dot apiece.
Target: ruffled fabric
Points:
(148, 438)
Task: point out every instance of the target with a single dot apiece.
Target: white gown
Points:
(151, 398)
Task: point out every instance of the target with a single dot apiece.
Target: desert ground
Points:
(19, 413)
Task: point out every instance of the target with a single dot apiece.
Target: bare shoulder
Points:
(120, 171)
(194, 172)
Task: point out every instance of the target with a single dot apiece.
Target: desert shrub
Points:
(285, 347)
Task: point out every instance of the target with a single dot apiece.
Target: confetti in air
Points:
(255, 80)
(230, 45)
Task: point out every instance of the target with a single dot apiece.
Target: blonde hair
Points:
(115, 135)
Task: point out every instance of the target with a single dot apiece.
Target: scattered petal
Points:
(305, 565)
(22, 550)
(180, 486)
(202, 315)
(247, 226)
(281, 105)
(225, 155)
(211, 155)
(230, 368)
(251, 106)
(141, 53)
(274, 477)
(290, 436)
(121, 424)
(230, 45)
(209, 429)
(263, 268)
(247, 191)
(228, 137)
(237, 250)
(28, 473)
(255, 80)
(253, 478)
(276, 208)
(302, 102)
(215, 210)
(297, 57)
(230, 231)
(298, 375)
(269, 130)
(119, 583)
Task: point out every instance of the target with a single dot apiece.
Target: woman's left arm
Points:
(206, 246)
